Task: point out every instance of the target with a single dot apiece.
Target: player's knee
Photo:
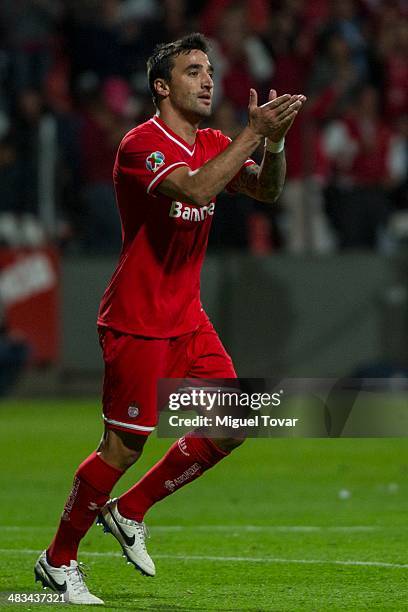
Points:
(228, 444)
(121, 449)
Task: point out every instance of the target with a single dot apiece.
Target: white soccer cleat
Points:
(68, 580)
(131, 535)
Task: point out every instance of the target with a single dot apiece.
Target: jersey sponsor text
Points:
(191, 213)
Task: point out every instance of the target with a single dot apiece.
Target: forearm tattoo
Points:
(271, 176)
(263, 182)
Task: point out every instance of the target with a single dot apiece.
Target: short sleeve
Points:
(224, 142)
(147, 160)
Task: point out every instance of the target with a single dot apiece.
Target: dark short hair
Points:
(160, 63)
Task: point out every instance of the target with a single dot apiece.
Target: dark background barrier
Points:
(284, 316)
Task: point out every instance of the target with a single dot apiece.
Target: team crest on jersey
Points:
(133, 411)
(154, 161)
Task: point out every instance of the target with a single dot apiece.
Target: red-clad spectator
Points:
(30, 27)
(315, 13)
(245, 60)
(333, 79)
(359, 146)
(305, 225)
(361, 156)
(393, 53)
(290, 43)
(97, 146)
(257, 15)
(100, 135)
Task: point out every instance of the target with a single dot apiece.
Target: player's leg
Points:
(93, 482)
(123, 449)
(201, 356)
(212, 361)
(57, 568)
(127, 423)
(185, 461)
(130, 414)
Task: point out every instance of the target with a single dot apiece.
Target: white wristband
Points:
(275, 147)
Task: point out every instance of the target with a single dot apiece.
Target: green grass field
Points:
(264, 530)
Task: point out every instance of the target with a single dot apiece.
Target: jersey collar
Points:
(164, 128)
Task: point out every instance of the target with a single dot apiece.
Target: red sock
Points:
(93, 482)
(185, 461)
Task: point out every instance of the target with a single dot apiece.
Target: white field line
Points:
(226, 528)
(220, 559)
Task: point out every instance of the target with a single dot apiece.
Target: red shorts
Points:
(133, 366)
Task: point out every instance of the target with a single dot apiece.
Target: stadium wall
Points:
(282, 316)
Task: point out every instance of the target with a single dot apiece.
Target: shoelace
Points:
(143, 533)
(141, 530)
(76, 577)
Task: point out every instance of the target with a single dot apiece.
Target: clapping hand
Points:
(274, 118)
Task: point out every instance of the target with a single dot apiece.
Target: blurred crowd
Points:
(72, 82)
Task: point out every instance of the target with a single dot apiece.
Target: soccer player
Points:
(167, 175)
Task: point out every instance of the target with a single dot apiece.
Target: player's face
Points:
(191, 85)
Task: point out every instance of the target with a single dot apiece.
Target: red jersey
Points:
(155, 289)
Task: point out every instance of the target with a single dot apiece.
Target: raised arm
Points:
(200, 186)
(265, 182)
